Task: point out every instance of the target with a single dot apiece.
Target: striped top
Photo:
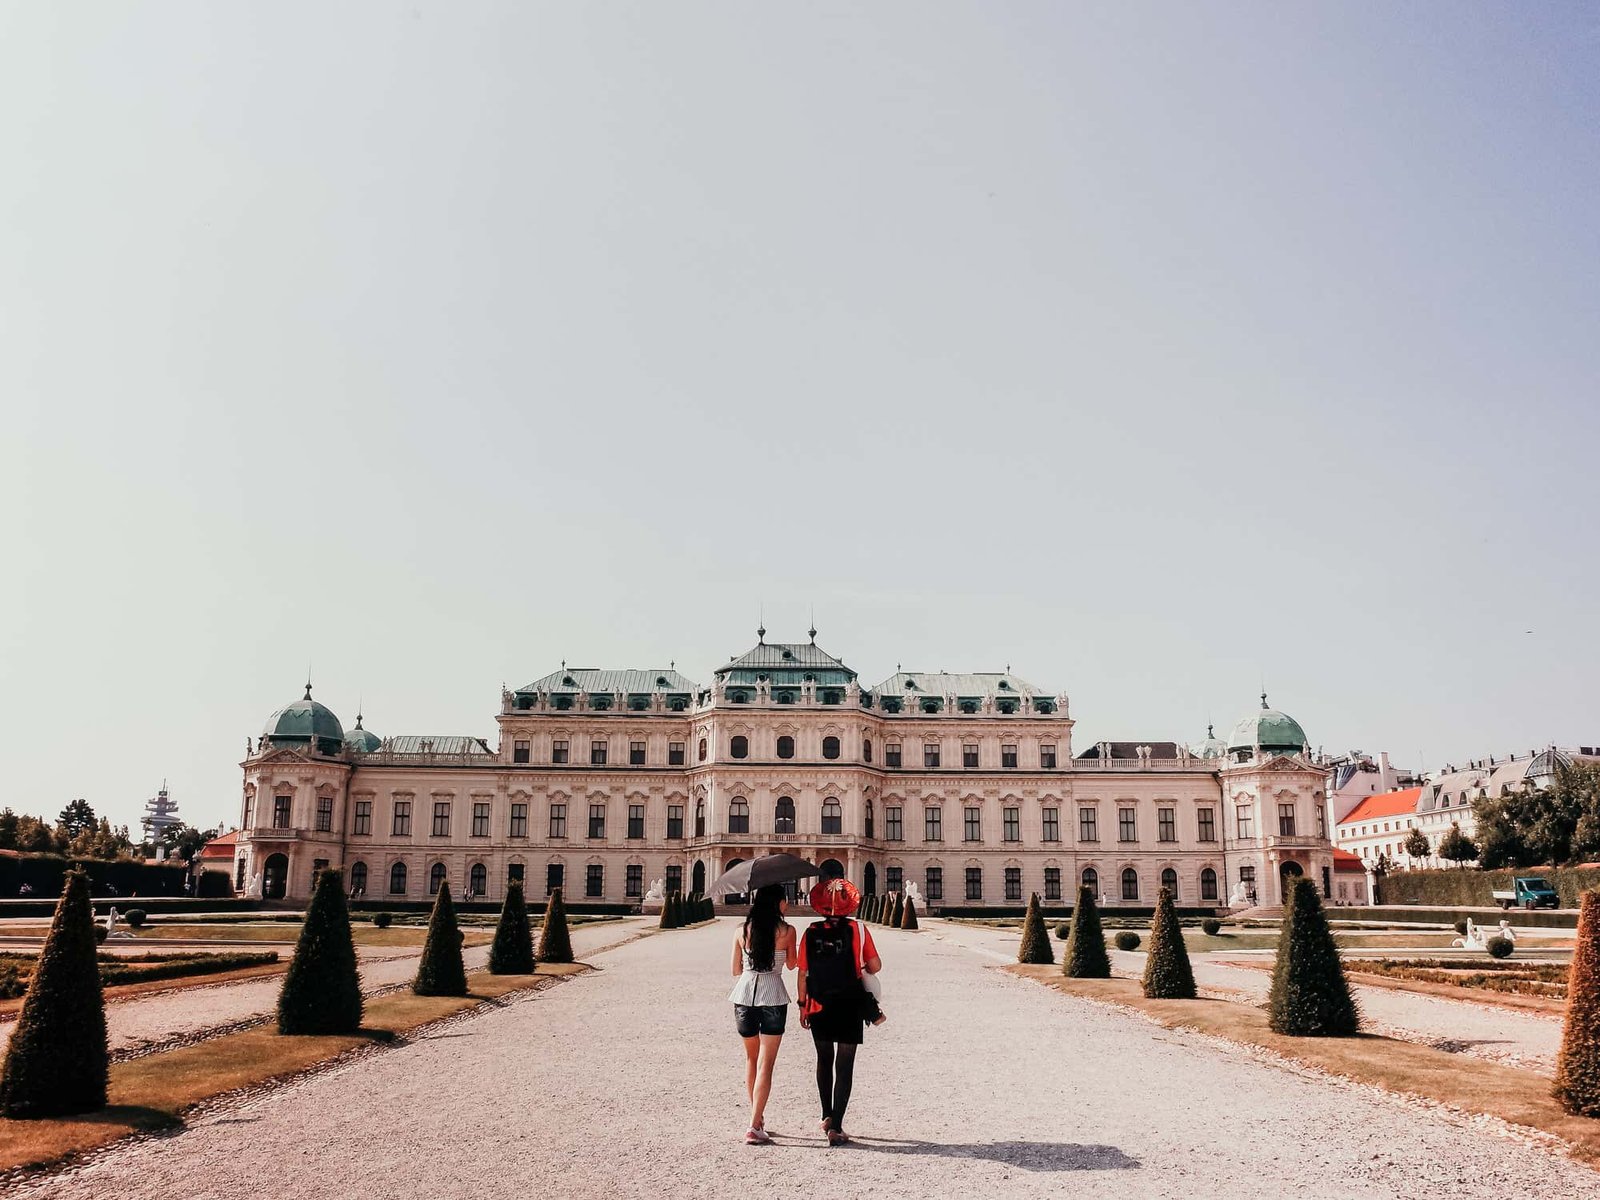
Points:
(761, 988)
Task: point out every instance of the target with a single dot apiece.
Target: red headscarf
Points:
(835, 898)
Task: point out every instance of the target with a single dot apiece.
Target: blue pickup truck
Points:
(1528, 891)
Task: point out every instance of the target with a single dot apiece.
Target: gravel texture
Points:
(629, 1082)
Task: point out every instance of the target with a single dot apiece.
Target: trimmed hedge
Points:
(1211, 927)
(1085, 956)
(1472, 888)
(46, 873)
(1035, 944)
(1310, 996)
(512, 952)
(1499, 947)
(1542, 918)
(908, 919)
(1167, 974)
(1126, 939)
(555, 940)
(1063, 931)
(1577, 1083)
(441, 971)
(321, 991)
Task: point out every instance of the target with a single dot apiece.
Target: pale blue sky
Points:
(1151, 349)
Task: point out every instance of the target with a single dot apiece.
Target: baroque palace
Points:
(602, 782)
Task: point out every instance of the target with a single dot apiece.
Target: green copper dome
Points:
(1212, 747)
(298, 723)
(1269, 729)
(362, 741)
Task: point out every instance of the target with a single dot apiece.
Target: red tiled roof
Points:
(1343, 860)
(220, 847)
(1388, 804)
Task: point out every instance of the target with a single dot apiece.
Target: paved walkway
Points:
(628, 1082)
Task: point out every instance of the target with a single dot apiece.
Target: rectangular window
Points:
(363, 817)
(1013, 883)
(891, 754)
(519, 751)
(597, 753)
(933, 825)
(594, 880)
(930, 754)
(441, 818)
(597, 820)
(1244, 822)
(402, 818)
(974, 883)
(249, 811)
(935, 883)
(1286, 820)
(1208, 827)
(554, 876)
(636, 820)
(674, 754)
(891, 825)
(674, 880)
(1052, 824)
(480, 819)
(558, 751)
(633, 885)
(636, 754)
(893, 879)
(519, 820)
(1012, 818)
(514, 873)
(1052, 883)
(973, 825)
(324, 814)
(280, 812)
(1088, 825)
(969, 755)
(1047, 757)
(674, 820)
(1127, 825)
(1008, 756)
(1166, 824)
(1322, 821)
(558, 820)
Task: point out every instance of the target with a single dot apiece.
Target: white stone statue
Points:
(657, 891)
(914, 893)
(254, 890)
(111, 922)
(1241, 895)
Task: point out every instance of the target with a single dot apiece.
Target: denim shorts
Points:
(751, 1019)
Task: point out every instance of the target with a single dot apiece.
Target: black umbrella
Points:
(758, 872)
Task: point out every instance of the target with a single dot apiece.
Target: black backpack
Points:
(831, 961)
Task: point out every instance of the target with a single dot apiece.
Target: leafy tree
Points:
(1417, 845)
(57, 1063)
(555, 941)
(512, 952)
(1381, 865)
(1167, 974)
(1456, 846)
(35, 836)
(441, 971)
(908, 919)
(1310, 996)
(1085, 956)
(1035, 944)
(8, 829)
(321, 991)
(75, 818)
(1577, 1084)
(184, 841)
(1500, 840)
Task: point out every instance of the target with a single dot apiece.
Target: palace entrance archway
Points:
(274, 876)
(1288, 872)
(869, 880)
(698, 886)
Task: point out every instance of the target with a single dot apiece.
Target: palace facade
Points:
(603, 781)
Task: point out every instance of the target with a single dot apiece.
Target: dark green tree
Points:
(1416, 844)
(321, 991)
(57, 1063)
(555, 942)
(75, 818)
(1085, 956)
(1310, 996)
(1035, 945)
(1577, 1085)
(1167, 974)
(908, 919)
(441, 971)
(8, 829)
(1456, 846)
(512, 952)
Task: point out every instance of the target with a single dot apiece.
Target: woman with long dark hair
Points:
(835, 1005)
(762, 950)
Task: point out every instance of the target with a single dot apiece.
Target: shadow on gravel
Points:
(1030, 1156)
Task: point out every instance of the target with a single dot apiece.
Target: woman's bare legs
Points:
(752, 1047)
(761, 1077)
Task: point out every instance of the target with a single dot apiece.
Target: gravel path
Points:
(160, 1019)
(628, 1082)
(1515, 1038)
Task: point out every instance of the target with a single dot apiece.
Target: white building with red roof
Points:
(1377, 827)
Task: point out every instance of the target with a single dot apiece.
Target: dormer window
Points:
(969, 706)
(739, 697)
(563, 702)
(911, 684)
(661, 681)
(568, 681)
(930, 705)
(787, 655)
(600, 703)
(1007, 706)
(1005, 685)
(785, 697)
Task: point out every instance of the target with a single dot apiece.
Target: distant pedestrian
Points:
(763, 949)
(834, 1004)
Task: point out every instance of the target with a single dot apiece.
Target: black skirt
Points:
(840, 1021)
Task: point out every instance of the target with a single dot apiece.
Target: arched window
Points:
(1091, 880)
(783, 816)
(739, 815)
(832, 816)
(1169, 880)
(397, 879)
(1208, 884)
(738, 746)
(869, 819)
(435, 879)
(703, 749)
(1130, 884)
(358, 878)
(866, 749)
(785, 746)
(830, 747)
(699, 818)
(479, 879)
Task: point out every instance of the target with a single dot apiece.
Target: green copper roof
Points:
(998, 684)
(301, 721)
(362, 741)
(1211, 747)
(1269, 729)
(588, 679)
(798, 658)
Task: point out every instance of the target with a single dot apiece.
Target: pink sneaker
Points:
(757, 1137)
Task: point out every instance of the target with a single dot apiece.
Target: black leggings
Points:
(836, 1070)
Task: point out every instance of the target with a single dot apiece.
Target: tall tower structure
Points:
(160, 815)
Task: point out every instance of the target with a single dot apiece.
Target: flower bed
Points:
(17, 969)
(1489, 975)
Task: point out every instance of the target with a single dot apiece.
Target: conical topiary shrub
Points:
(321, 990)
(1085, 956)
(1035, 946)
(1577, 1085)
(908, 919)
(555, 942)
(1167, 974)
(512, 952)
(441, 971)
(1310, 997)
(869, 905)
(57, 1063)
(664, 921)
(897, 911)
(877, 907)
(677, 911)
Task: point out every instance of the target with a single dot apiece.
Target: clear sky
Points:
(1153, 350)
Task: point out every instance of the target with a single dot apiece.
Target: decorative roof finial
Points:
(761, 624)
(1263, 699)
(1210, 730)
(813, 630)
(308, 689)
